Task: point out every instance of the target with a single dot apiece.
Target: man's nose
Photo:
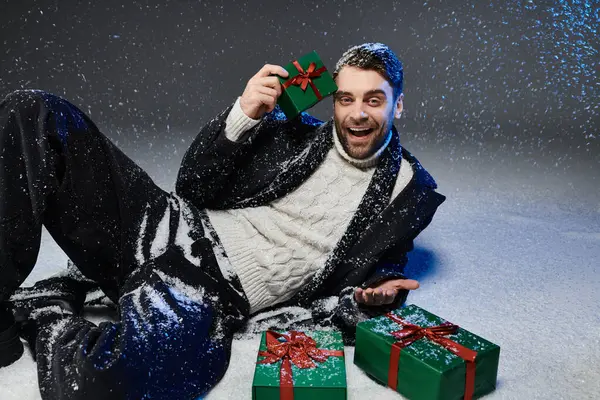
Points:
(359, 111)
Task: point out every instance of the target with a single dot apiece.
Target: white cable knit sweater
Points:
(277, 248)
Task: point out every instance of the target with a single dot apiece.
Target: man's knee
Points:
(33, 104)
(24, 98)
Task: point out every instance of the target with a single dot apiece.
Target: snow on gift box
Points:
(298, 365)
(424, 357)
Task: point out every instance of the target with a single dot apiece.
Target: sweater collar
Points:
(364, 163)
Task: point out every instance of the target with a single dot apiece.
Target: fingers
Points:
(409, 284)
(270, 69)
(375, 297)
(268, 102)
(368, 296)
(383, 296)
(262, 92)
(384, 293)
(390, 296)
(364, 296)
(269, 85)
(358, 295)
(378, 296)
(398, 284)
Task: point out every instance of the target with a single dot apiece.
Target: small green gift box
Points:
(308, 83)
(298, 365)
(423, 357)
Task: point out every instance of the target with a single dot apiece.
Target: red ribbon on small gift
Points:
(410, 333)
(298, 348)
(304, 78)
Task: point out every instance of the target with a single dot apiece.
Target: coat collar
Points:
(296, 170)
(403, 215)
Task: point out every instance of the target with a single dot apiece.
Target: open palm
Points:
(385, 292)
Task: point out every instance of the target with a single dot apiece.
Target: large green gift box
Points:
(424, 357)
(308, 83)
(298, 365)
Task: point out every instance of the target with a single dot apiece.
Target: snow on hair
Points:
(377, 57)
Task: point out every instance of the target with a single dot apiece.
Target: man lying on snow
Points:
(267, 213)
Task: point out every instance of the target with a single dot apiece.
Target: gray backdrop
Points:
(500, 78)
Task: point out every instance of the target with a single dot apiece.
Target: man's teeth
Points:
(359, 131)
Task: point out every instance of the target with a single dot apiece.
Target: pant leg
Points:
(58, 169)
(173, 339)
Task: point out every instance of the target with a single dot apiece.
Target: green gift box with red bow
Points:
(299, 365)
(308, 83)
(424, 357)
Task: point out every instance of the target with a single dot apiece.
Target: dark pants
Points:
(176, 317)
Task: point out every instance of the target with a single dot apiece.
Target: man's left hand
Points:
(385, 292)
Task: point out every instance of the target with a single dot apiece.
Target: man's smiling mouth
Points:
(360, 131)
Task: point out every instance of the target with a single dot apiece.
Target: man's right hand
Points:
(262, 91)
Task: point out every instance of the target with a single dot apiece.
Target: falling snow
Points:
(502, 106)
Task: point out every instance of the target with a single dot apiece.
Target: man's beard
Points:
(378, 138)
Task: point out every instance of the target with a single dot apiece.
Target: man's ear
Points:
(399, 106)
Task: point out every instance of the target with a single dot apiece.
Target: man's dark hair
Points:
(377, 57)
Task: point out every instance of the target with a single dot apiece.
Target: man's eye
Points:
(344, 100)
(374, 102)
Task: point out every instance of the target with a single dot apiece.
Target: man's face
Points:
(364, 110)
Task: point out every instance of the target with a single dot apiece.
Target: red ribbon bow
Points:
(304, 78)
(410, 333)
(298, 348)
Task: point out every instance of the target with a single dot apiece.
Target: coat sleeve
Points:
(210, 161)
(209, 174)
(343, 312)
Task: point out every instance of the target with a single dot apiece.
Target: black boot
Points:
(11, 348)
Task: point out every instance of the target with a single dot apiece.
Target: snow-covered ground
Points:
(512, 255)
